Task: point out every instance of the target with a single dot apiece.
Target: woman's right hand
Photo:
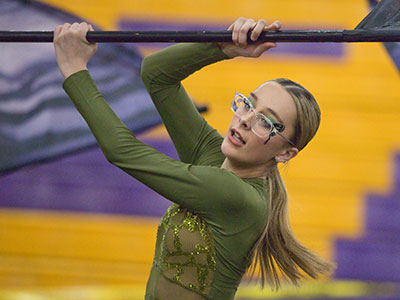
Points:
(72, 49)
(239, 45)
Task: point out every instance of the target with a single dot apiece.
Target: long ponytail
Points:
(277, 251)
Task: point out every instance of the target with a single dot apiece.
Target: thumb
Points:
(262, 48)
(90, 28)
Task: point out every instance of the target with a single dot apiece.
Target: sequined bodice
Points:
(187, 256)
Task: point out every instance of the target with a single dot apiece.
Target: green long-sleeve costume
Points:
(205, 237)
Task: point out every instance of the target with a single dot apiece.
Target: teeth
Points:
(236, 136)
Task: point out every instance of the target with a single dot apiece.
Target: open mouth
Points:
(237, 137)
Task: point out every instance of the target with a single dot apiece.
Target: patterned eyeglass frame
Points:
(275, 129)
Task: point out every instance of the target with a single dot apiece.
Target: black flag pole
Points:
(316, 36)
(382, 24)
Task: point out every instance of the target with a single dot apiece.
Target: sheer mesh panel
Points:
(186, 259)
(166, 290)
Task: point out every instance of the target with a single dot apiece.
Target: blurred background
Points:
(76, 227)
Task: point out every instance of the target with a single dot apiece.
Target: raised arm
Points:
(197, 188)
(194, 187)
(162, 73)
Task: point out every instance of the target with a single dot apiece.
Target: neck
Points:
(244, 171)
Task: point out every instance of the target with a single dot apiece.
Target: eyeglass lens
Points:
(260, 125)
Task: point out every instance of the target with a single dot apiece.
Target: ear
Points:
(286, 155)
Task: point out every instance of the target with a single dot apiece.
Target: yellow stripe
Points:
(309, 13)
(337, 289)
(326, 289)
(45, 247)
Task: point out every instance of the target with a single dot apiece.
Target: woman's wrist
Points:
(67, 71)
(224, 47)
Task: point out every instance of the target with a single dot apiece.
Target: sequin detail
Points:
(187, 256)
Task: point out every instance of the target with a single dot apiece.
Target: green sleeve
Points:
(162, 72)
(195, 187)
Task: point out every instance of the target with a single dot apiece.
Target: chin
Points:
(244, 158)
(231, 153)
(227, 149)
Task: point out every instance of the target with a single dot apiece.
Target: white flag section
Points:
(37, 120)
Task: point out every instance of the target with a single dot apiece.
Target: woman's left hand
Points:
(240, 29)
(73, 51)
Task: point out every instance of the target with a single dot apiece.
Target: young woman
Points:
(229, 206)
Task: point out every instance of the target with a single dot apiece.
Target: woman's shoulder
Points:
(259, 198)
(249, 193)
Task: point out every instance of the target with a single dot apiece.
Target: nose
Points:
(245, 120)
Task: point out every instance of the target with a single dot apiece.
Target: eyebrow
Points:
(269, 109)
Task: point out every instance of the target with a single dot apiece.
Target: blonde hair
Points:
(277, 248)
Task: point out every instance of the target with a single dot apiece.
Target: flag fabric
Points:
(394, 20)
(37, 120)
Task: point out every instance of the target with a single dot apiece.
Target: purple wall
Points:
(376, 255)
(83, 182)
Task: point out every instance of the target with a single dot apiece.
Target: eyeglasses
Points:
(260, 125)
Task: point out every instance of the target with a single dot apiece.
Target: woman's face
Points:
(249, 150)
